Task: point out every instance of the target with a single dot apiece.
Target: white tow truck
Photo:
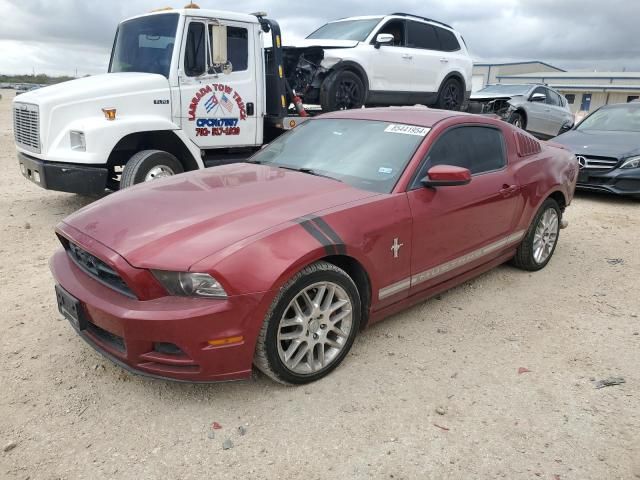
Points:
(186, 89)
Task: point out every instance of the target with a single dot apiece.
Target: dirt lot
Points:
(72, 414)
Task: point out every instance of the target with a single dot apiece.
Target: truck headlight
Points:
(329, 62)
(77, 141)
(633, 162)
(187, 284)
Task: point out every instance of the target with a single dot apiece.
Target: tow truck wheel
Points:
(342, 90)
(148, 165)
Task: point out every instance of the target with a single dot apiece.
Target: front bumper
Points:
(618, 181)
(165, 337)
(63, 177)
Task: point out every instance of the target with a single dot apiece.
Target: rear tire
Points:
(342, 90)
(541, 239)
(148, 165)
(310, 326)
(450, 96)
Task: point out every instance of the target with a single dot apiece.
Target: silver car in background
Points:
(536, 108)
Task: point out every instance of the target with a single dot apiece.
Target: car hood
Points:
(95, 86)
(323, 42)
(171, 224)
(601, 143)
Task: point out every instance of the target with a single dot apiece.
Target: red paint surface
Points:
(239, 223)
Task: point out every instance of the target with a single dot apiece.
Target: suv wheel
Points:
(342, 90)
(451, 95)
(149, 165)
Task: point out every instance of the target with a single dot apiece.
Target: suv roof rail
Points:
(400, 14)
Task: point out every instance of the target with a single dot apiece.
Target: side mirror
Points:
(565, 128)
(446, 176)
(538, 97)
(219, 45)
(384, 39)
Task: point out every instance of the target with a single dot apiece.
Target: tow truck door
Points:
(218, 109)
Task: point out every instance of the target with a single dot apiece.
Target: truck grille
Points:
(596, 163)
(97, 269)
(26, 126)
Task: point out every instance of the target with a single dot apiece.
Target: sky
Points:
(62, 37)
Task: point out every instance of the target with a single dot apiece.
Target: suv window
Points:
(237, 47)
(479, 149)
(422, 35)
(448, 41)
(194, 52)
(397, 29)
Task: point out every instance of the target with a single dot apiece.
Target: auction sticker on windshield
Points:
(407, 129)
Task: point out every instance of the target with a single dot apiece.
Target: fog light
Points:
(77, 141)
(36, 176)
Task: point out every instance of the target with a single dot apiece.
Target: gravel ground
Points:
(434, 392)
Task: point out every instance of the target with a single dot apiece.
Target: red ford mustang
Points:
(280, 261)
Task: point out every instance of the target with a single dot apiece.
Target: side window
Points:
(397, 29)
(194, 52)
(422, 35)
(539, 90)
(448, 41)
(553, 98)
(479, 149)
(237, 47)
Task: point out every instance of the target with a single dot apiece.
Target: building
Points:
(585, 91)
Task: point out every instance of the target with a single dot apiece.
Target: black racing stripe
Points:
(318, 235)
(331, 233)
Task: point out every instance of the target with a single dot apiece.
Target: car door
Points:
(391, 66)
(556, 113)
(456, 229)
(537, 111)
(423, 41)
(218, 109)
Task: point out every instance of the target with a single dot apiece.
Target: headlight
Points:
(633, 162)
(329, 62)
(77, 141)
(186, 284)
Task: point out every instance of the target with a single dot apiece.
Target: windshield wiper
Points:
(310, 171)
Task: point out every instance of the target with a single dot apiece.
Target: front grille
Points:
(26, 126)
(596, 163)
(114, 341)
(97, 269)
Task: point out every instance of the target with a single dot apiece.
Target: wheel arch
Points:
(560, 199)
(354, 67)
(455, 75)
(166, 140)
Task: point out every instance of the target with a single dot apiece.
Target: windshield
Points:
(145, 45)
(346, 30)
(504, 90)
(365, 154)
(623, 118)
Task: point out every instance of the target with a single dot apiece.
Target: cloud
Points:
(60, 36)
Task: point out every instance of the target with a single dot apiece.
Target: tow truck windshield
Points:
(145, 44)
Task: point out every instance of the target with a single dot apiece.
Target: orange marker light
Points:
(292, 123)
(225, 341)
(109, 113)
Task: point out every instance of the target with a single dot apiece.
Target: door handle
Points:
(508, 190)
(444, 60)
(407, 56)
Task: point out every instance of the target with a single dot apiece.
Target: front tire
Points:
(342, 90)
(148, 165)
(541, 239)
(310, 326)
(517, 120)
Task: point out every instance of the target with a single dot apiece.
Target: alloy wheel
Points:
(451, 96)
(314, 328)
(546, 235)
(347, 95)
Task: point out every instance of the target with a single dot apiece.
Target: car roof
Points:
(416, 115)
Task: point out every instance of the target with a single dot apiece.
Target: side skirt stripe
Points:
(443, 268)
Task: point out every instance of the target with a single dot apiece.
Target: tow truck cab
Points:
(186, 89)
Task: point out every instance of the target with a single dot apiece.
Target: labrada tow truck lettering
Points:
(217, 109)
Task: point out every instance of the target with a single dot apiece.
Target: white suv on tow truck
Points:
(192, 88)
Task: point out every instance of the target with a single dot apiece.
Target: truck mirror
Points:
(219, 45)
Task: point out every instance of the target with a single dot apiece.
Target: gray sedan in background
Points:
(538, 109)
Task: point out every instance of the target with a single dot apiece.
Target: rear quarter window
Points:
(448, 40)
